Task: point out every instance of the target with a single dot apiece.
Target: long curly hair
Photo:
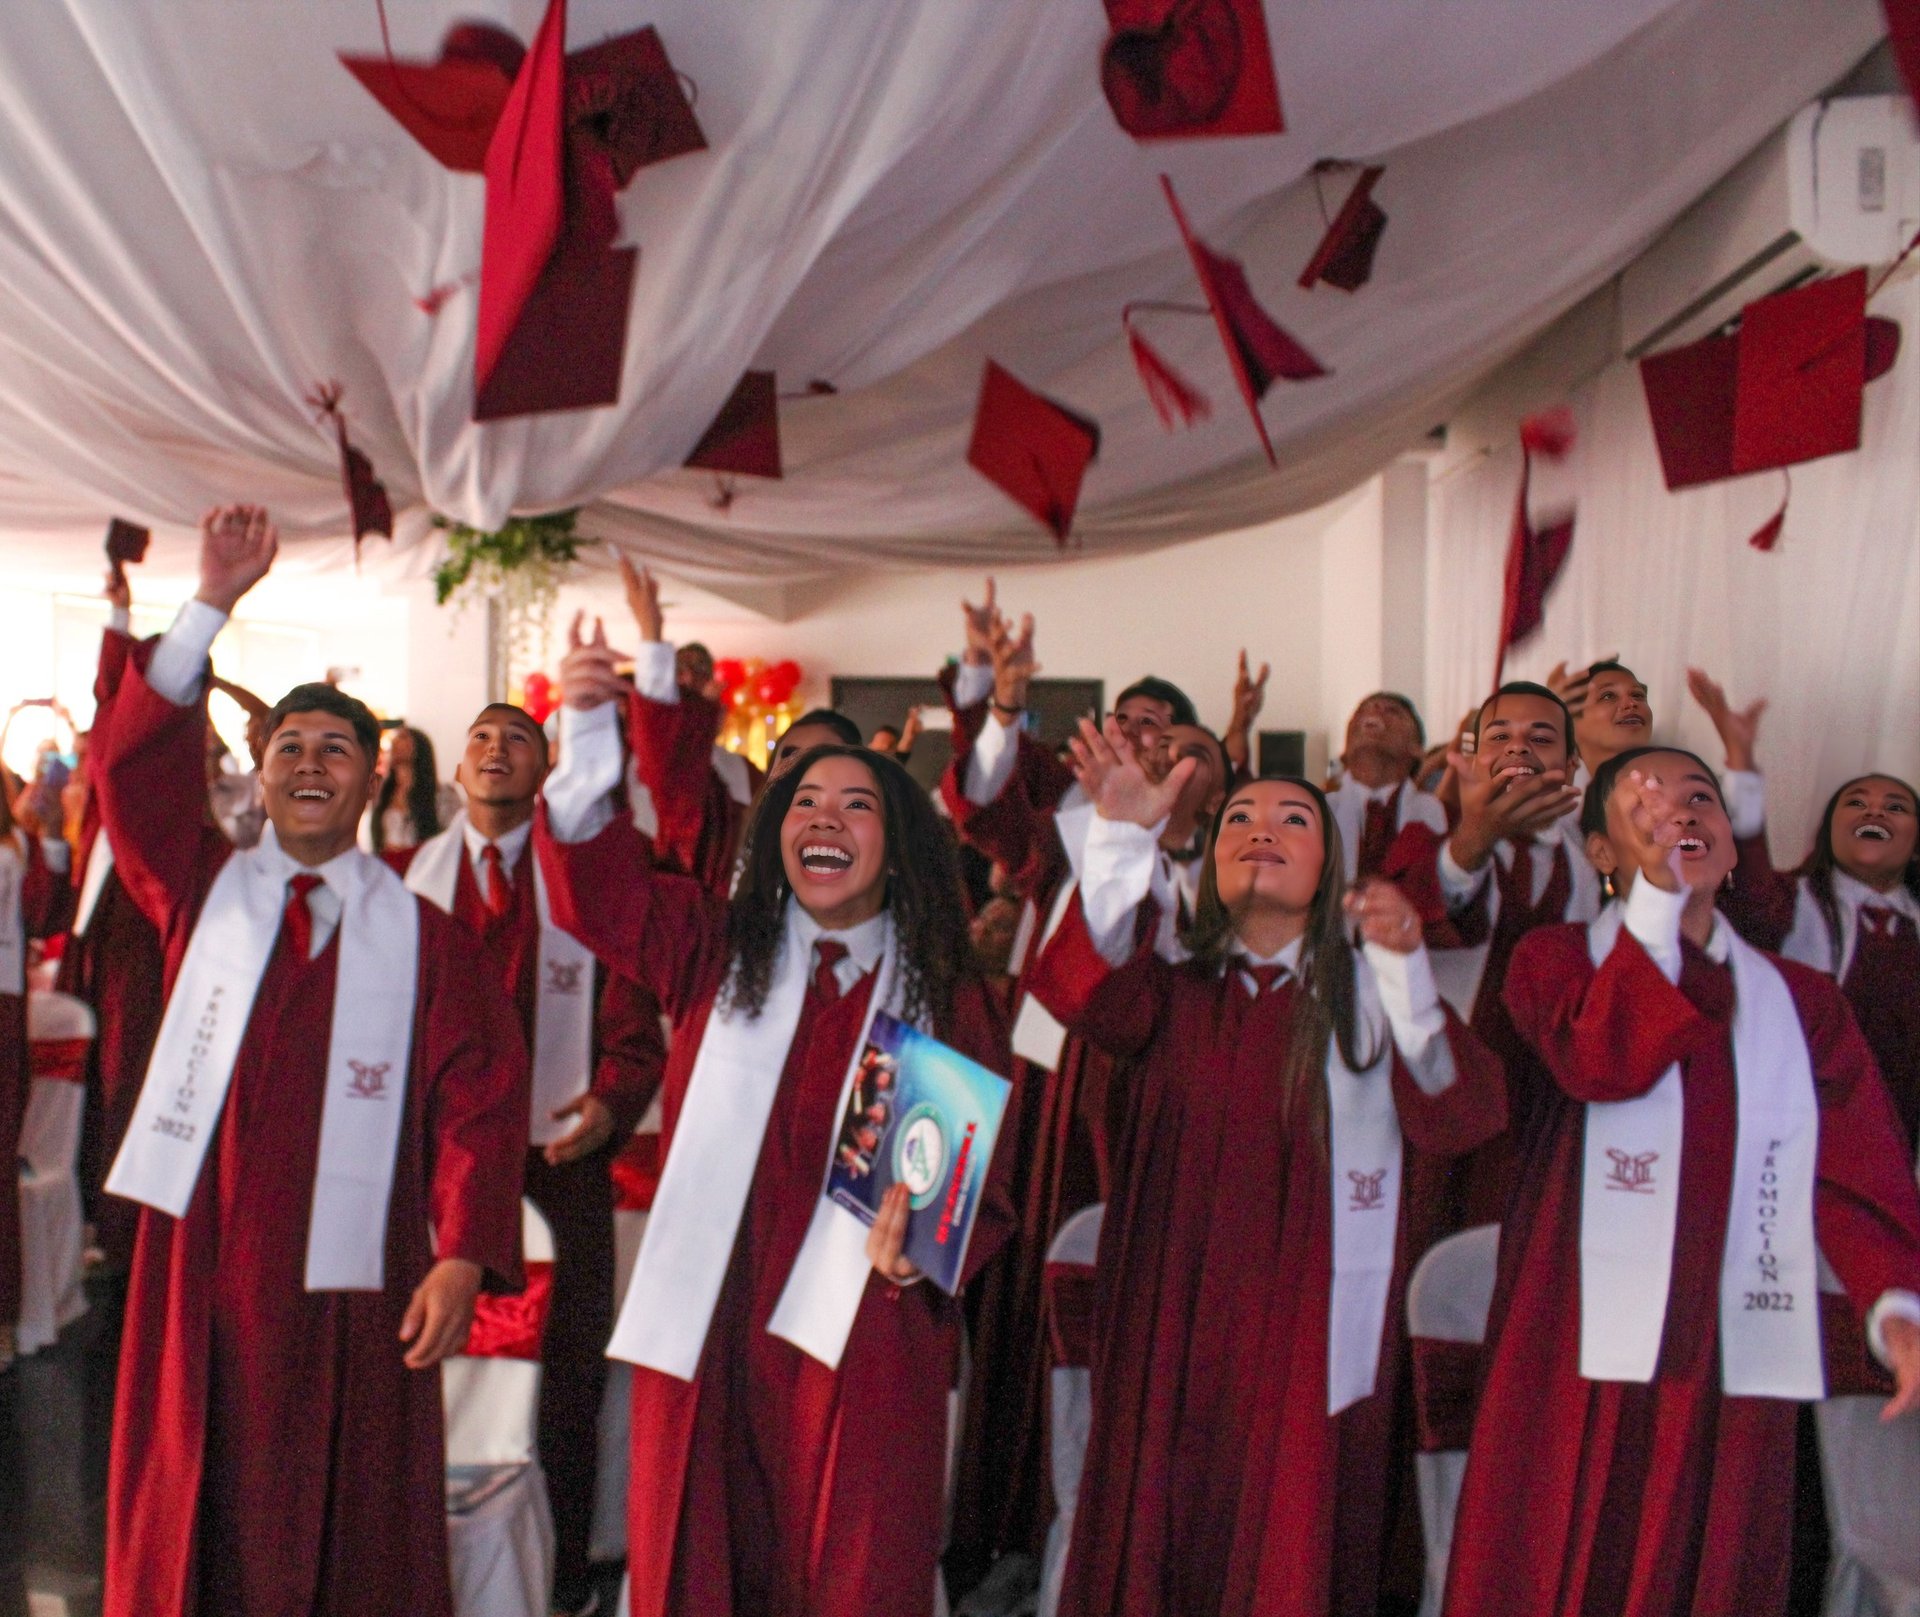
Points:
(1327, 1007)
(1819, 865)
(423, 796)
(923, 891)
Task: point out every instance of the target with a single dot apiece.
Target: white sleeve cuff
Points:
(1411, 999)
(1653, 917)
(120, 620)
(1745, 791)
(577, 792)
(990, 763)
(972, 684)
(179, 666)
(1116, 873)
(1456, 885)
(57, 855)
(653, 674)
(1892, 1305)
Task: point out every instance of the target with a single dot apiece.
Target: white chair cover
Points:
(1871, 1474)
(52, 1223)
(1448, 1296)
(1069, 1416)
(501, 1550)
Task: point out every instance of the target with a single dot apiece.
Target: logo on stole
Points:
(563, 976)
(369, 1082)
(1369, 1190)
(1631, 1171)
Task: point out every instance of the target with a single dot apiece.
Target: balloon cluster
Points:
(752, 684)
(539, 695)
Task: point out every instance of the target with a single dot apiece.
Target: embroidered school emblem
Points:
(1631, 1171)
(563, 976)
(369, 1082)
(1369, 1190)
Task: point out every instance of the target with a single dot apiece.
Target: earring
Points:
(1606, 886)
(1726, 884)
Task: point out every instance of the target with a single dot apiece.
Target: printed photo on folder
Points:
(922, 1115)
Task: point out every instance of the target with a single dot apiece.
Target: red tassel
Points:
(367, 501)
(1550, 433)
(1172, 394)
(1767, 535)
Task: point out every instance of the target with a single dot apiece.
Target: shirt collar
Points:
(1853, 893)
(1288, 957)
(511, 843)
(865, 943)
(337, 873)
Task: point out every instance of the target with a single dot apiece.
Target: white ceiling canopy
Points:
(202, 215)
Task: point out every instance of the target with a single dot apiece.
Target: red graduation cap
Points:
(1903, 34)
(366, 495)
(1534, 555)
(449, 106)
(1033, 447)
(1178, 69)
(625, 101)
(745, 435)
(1344, 257)
(126, 542)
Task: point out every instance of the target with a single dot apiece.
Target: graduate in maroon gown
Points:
(597, 1053)
(335, 1120)
(36, 901)
(1375, 798)
(1251, 1256)
(1715, 1128)
(1011, 798)
(790, 1396)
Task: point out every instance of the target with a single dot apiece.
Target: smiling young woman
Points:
(790, 1396)
(1252, 1253)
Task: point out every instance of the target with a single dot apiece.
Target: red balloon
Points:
(788, 675)
(539, 697)
(729, 672)
(767, 689)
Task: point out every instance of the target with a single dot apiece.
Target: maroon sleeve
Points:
(1413, 865)
(149, 770)
(474, 1063)
(1607, 1034)
(1016, 830)
(1469, 1112)
(667, 932)
(1760, 900)
(672, 744)
(115, 651)
(630, 1051)
(1119, 1009)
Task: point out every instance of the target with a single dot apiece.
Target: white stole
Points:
(563, 1000)
(709, 1171)
(369, 1050)
(1630, 1203)
(13, 925)
(94, 881)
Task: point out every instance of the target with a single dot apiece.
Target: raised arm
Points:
(1760, 902)
(1249, 696)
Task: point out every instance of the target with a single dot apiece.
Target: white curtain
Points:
(1826, 626)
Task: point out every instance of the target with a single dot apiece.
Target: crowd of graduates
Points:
(1290, 1035)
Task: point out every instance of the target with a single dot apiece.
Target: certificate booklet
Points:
(925, 1116)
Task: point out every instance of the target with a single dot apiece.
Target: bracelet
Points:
(1011, 712)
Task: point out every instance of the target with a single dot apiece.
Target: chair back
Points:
(491, 1391)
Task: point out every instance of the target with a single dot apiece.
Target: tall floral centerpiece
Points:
(516, 570)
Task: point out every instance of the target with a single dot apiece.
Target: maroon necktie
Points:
(1264, 977)
(1877, 920)
(1519, 883)
(1376, 834)
(499, 895)
(826, 982)
(299, 919)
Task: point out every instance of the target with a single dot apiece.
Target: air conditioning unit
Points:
(1837, 187)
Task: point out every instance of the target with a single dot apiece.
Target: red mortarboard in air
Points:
(1257, 348)
(126, 542)
(1344, 257)
(366, 494)
(1033, 448)
(449, 106)
(1183, 68)
(745, 436)
(1903, 34)
(1534, 555)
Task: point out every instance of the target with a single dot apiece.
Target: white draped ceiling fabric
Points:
(202, 215)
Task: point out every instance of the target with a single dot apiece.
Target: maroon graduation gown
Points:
(272, 1454)
(1216, 1484)
(1663, 1499)
(701, 827)
(771, 1486)
(46, 907)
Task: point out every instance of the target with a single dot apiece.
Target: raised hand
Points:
(643, 598)
(1571, 685)
(1494, 806)
(1737, 727)
(1013, 665)
(1384, 915)
(588, 675)
(119, 592)
(887, 1240)
(237, 546)
(983, 625)
(1116, 780)
(1653, 813)
(1249, 696)
(909, 733)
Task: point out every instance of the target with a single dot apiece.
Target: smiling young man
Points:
(331, 1082)
(1376, 798)
(597, 1054)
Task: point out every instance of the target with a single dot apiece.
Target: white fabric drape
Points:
(202, 214)
(1825, 626)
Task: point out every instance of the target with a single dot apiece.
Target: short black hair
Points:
(1609, 665)
(1526, 687)
(1593, 807)
(1157, 689)
(1404, 703)
(322, 698)
(843, 727)
(519, 713)
(880, 730)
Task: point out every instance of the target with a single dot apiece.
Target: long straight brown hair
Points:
(1819, 865)
(1327, 1006)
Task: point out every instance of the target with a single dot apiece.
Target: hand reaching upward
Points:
(237, 546)
(1249, 696)
(588, 676)
(1737, 727)
(1112, 774)
(983, 626)
(1013, 667)
(643, 598)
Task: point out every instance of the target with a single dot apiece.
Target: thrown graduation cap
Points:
(1258, 350)
(1344, 257)
(126, 542)
(1903, 34)
(366, 495)
(450, 106)
(1535, 555)
(1032, 447)
(745, 436)
(1181, 69)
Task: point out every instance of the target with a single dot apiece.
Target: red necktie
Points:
(826, 982)
(1519, 881)
(1264, 977)
(1879, 921)
(299, 919)
(1376, 835)
(498, 894)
